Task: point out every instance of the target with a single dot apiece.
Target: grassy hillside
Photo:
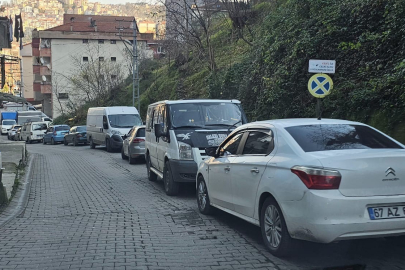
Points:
(365, 37)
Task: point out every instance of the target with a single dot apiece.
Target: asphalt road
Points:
(91, 209)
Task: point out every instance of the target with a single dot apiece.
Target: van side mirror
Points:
(211, 151)
(159, 130)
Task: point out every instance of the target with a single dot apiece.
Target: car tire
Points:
(203, 200)
(151, 175)
(108, 145)
(75, 142)
(43, 141)
(123, 156)
(28, 140)
(53, 141)
(171, 187)
(65, 142)
(92, 144)
(274, 229)
(131, 160)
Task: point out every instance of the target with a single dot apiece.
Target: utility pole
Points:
(135, 73)
(22, 78)
(3, 71)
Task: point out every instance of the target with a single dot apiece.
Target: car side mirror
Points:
(159, 130)
(211, 151)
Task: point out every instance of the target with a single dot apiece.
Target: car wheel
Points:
(43, 141)
(131, 160)
(203, 200)
(92, 144)
(53, 141)
(65, 142)
(28, 140)
(75, 142)
(108, 146)
(171, 187)
(274, 230)
(151, 175)
(123, 156)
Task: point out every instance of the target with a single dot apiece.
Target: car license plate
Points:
(385, 212)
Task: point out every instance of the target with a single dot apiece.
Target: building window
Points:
(113, 77)
(113, 59)
(159, 49)
(101, 41)
(85, 41)
(63, 95)
(101, 58)
(113, 42)
(85, 59)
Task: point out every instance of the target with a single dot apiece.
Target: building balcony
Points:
(35, 52)
(45, 52)
(36, 69)
(44, 70)
(37, 86)
(46, 88)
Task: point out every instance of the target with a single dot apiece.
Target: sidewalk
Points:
(12, 155)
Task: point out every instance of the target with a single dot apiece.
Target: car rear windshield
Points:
(339, 137)
(62, 128)
(81, 129)
(140, 133)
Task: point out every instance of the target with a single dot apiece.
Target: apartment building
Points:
(58, 51)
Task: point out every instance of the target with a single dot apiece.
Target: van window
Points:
(149, 118)
(39, 127)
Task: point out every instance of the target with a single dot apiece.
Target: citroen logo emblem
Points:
(390, 171)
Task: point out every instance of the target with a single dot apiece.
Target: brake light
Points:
(137, 140)
(316, 178)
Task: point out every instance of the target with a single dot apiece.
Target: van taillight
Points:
(316, 178)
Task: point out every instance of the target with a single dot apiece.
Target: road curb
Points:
(16, 207)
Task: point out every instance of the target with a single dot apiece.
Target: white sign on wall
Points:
(321, 66)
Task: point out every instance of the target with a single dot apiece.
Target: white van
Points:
(33, 131)
(177, 133)
(108, 125)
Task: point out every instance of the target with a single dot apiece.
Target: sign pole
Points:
(318, 108)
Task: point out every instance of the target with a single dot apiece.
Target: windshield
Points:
(339, 137)
(81, 129)
(124, 120)
(39, 127)
(8, 122)
(205, 114)
(62, 128)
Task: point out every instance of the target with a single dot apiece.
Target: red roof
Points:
(102, 27)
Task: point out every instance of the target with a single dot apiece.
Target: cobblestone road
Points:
(88, 209)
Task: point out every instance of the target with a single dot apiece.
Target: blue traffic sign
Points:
(320, 85)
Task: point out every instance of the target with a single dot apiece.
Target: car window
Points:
(258, 143)
(338, 137)
(39, 127)
(231, 147)
(140, 133)
(81, 129)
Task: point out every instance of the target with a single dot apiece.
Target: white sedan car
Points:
(315, 180)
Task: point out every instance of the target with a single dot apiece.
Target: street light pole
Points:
(135, 73)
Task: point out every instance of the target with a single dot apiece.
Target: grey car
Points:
(133, 147)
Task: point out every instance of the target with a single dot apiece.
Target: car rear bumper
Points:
(184, 170)
(137, 151)
(59, 138)
(327, 216)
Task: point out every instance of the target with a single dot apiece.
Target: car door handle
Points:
(255, 170)
(227, 169)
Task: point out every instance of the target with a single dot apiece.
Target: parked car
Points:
(12, 131)
(33, 131)
(315, 180)
(108, 125)
(55, 134)
(133, 147)
(76, 135)
(177, 133)
(17, 136)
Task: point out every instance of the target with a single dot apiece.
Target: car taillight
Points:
(316, 178)
(79, 135)
(137, 140)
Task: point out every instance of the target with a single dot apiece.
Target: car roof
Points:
(283, 123)
(185, 101)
